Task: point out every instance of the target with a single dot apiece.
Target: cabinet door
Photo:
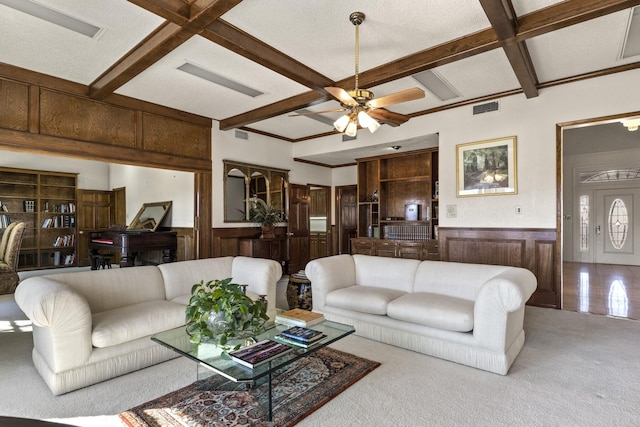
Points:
(386, 249)
(410, 250)
(94, 213)
(362, 247)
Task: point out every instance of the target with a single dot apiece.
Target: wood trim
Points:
(533, 249)
(203, 200)
(51, 145)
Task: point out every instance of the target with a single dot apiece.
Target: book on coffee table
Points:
(259, 353)
(297, 343)
(299, 317)
(302, 334)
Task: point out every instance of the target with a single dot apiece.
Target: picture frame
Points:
(487, 168)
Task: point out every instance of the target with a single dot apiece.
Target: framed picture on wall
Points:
(486, 168)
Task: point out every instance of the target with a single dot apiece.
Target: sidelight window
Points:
(584, 223)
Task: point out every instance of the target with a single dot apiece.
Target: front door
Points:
(298, 232)
(617, 238)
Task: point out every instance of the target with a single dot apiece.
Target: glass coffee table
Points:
(210, 356)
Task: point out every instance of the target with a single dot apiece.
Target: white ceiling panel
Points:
(523, 7)
(195, 95)
(41, 46)
(581, 48)
(320, 35)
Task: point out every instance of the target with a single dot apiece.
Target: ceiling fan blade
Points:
(335, 110)
(397, 98)
(388, 117)
(341, 95)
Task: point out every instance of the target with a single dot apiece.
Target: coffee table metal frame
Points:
(213, 358)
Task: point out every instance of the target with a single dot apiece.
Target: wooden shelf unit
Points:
(50, 228)
(386, 184)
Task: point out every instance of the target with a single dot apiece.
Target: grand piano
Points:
(140, 236)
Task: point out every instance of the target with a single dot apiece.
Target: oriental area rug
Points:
(298, 390)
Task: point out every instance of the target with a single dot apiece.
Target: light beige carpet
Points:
(574, 370)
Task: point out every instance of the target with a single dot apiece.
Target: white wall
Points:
(91, 175)
(148, 185)
(533, 121)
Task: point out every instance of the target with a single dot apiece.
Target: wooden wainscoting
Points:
(533, 249)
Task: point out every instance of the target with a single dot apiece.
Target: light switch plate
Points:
(452, 211)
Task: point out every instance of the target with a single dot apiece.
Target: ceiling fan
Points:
(360, 105)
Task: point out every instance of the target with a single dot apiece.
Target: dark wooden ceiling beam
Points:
(567, 13)
(561, 15)
(443, 54)
(504, 22)
(236, 40)
(162, 41)
(175, 11)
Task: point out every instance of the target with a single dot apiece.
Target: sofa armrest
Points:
(61, 320)
(328, 274)
(261, 275)
(499, 307)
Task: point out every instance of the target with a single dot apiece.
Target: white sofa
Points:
(94, 325)
(466, 313)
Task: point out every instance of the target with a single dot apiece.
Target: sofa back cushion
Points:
(118, 287)
(454, 279)
(382, 272)
(179, 277)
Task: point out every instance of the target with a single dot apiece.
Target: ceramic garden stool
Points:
(299, 293)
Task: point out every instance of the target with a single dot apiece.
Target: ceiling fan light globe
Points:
(352, 129)
(631, 124)
(341, 123)
(368, 122)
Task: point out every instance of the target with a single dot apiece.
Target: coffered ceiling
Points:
(284, 52)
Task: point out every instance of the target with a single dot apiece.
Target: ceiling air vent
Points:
(486, 108)
(346, 138)
(242, 134)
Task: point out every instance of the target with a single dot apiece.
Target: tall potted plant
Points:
(267, 216)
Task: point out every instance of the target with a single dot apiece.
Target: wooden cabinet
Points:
(411, 249)
(397, 199)
(46, 203)
(317, 245)
(275, 249)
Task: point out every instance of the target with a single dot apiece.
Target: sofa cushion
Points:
(128, 323)
(365, 299)
(388, 273)
(436, 311)
(179, 277)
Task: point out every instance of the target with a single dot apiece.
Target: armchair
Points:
(9, 250)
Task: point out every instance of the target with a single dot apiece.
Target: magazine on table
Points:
(297, 343)
(259, 353)
(302, 334)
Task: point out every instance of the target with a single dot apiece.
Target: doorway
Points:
(346, 217)
(599, 180)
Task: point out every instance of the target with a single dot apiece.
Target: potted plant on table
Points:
(220, 311)
(267, 216)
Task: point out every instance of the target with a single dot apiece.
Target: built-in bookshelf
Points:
(46, 203)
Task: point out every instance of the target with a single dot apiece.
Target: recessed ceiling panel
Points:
(38, 45)
(163, 83)
(523, 7)
(590, 46)
(320, 35)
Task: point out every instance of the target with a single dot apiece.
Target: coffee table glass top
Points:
(213, 357)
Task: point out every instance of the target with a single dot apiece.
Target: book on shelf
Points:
(302, 334)
(297, 343)
(259, 353)
(299, 317)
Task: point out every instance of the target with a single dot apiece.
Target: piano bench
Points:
(102, 261)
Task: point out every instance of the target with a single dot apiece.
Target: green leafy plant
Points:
(234, 313)
(264, 214)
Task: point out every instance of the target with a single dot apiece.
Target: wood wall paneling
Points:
(14, 105)
(533, 249)
(72, 117)
(171, 136)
